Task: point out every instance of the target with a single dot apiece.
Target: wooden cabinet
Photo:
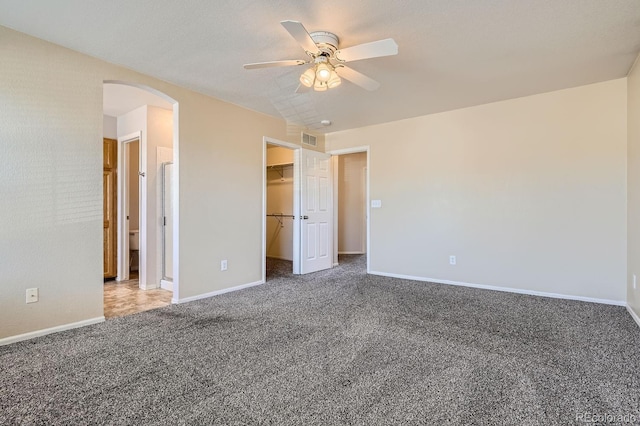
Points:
(110, 207)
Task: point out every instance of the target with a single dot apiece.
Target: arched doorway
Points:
(144, 122)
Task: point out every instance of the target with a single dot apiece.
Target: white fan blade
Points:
(357, 78)
(302, 88)
(374, 49)
(300, 33)
(274, 64)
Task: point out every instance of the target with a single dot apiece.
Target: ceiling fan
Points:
(327, 60)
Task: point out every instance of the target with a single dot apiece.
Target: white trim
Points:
(176, 200)
(123, 225)
(166, 285)
(336, 264)
(45, 331)
(367, 149)
(354, 150)
(216, 293)
(635, 317)
(279, 258)
(351, 252)
(335, 164)
(505, 289)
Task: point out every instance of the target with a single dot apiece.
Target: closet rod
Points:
(280, 166)
(281, 215)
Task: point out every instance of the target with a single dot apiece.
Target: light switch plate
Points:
(376, 204)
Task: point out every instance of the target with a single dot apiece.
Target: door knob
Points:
(304, 217)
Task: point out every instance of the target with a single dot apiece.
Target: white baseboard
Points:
(351, 252)
(280, 258)
(336, 264)
(149, 287)
(166, 285)
(45, 331)
(635, 316)
(505, 289)
(217, 292)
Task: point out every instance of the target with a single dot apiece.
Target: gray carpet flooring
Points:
(335, 347)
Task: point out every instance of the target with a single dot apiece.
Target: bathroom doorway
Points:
(131, 210)
(144, 124)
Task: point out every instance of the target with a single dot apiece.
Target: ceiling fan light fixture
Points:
(308, 77)
(326, 55)
(320, 86)
(323, 72)
(334, 80)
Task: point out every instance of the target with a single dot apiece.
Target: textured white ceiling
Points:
(119, 99)
(453, 53)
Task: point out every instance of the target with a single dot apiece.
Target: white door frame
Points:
(123, 224)
(337, 152)
(297, 149)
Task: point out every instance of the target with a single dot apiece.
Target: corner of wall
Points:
(633, 188)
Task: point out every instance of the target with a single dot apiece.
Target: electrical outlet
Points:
(634, 281)
(32, 295)
(223, 265)
(452, 260)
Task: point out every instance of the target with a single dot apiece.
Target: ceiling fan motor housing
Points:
(327, 42)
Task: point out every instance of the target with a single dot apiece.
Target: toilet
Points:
(134, 239)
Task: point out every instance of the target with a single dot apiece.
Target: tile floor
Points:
(123, 298)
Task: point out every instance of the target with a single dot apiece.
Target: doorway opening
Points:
(351, 205)
(280, 209)
(143, 124)
(129, 208)
(312, 218)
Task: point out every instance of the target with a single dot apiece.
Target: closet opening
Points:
(279, 208)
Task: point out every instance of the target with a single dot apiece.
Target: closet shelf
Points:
(279, 168)
(279, 165)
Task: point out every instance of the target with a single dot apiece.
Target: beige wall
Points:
(294, 135)
(351, 203)
(633, 190)
(52, 228)
(279, 155)
(529, 193)
(279, 234)
(160, 134)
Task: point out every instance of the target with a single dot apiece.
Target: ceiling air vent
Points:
(308, 139)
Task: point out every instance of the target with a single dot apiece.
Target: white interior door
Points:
(316, 210)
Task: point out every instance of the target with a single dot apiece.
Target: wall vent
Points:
(308, 139)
